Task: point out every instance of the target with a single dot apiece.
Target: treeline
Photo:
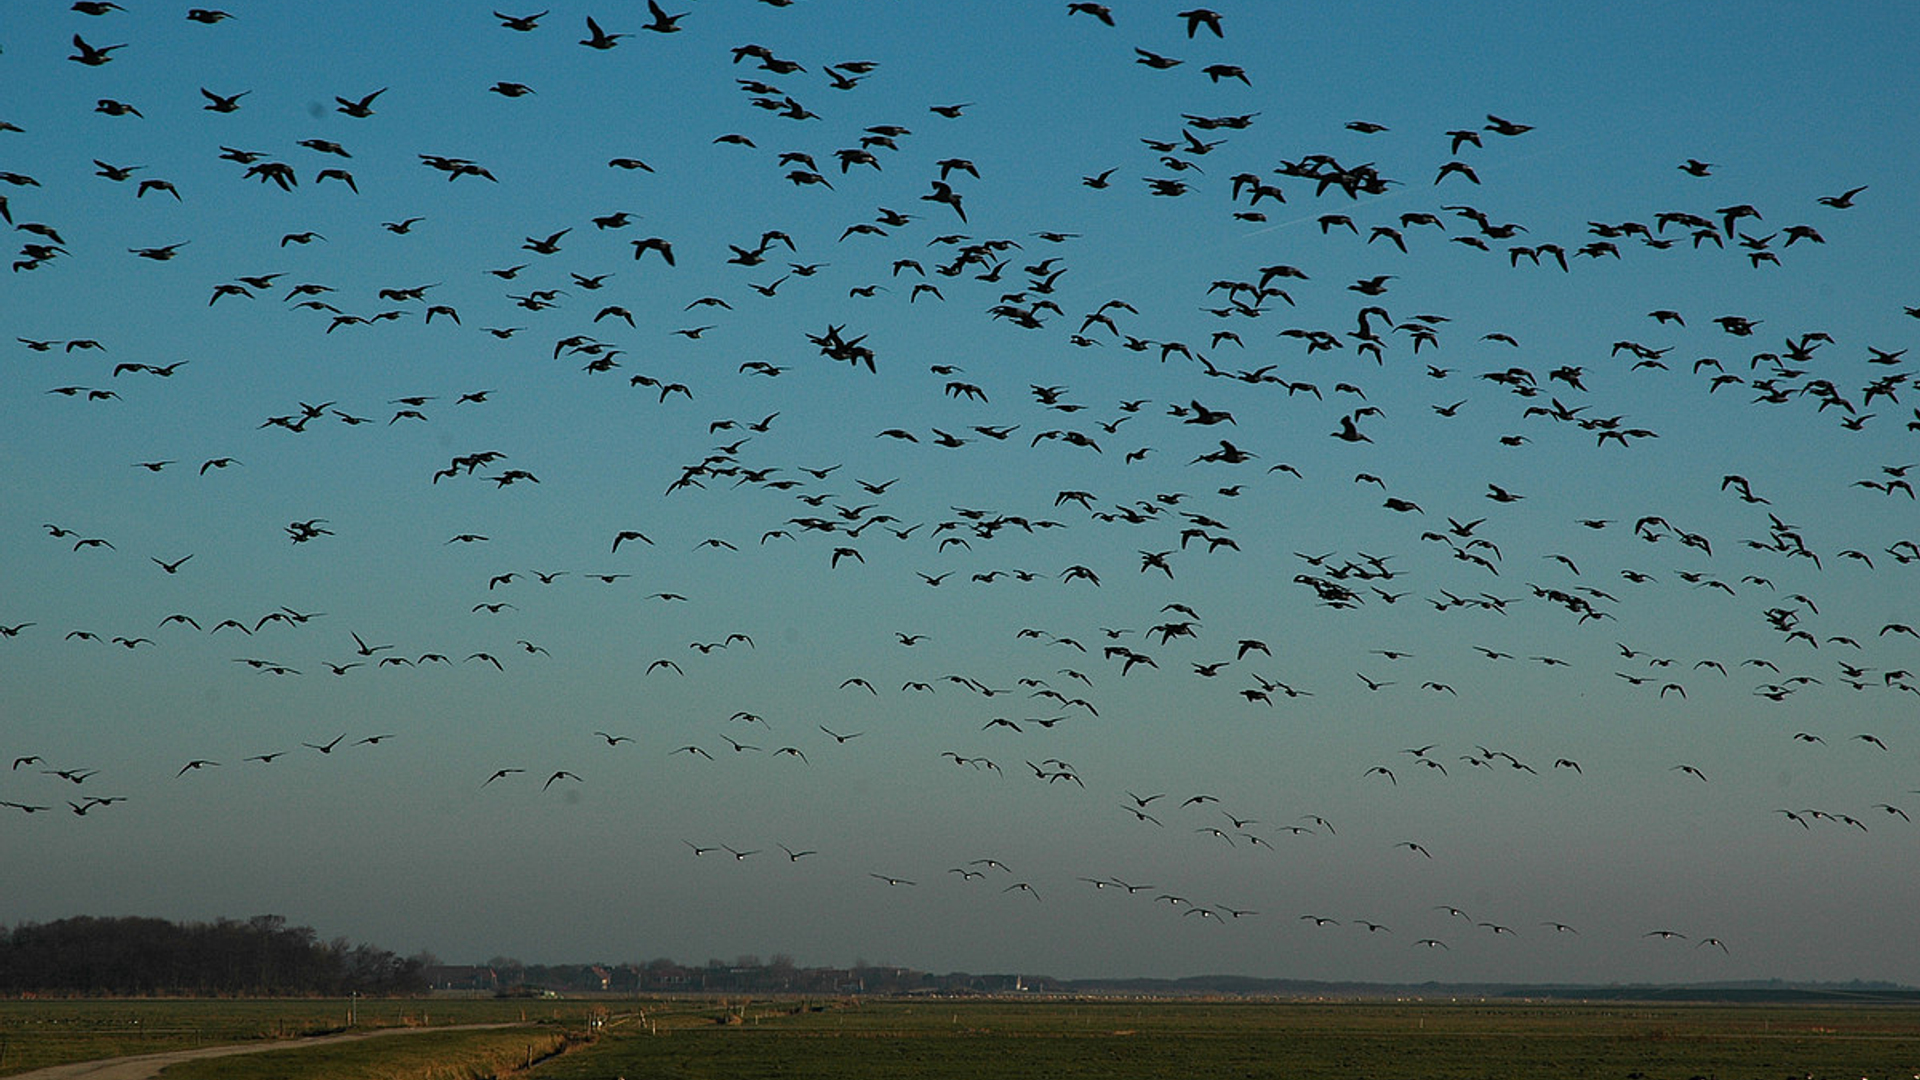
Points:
(138, 956)
(744, 975)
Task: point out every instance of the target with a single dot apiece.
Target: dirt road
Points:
(147, 1066)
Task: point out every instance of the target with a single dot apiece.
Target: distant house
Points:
(660, 975)
(460, 977)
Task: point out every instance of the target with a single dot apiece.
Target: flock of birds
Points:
(1192, 419)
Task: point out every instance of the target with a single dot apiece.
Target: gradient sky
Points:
(1749, 630)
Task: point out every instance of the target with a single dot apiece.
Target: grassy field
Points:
(967, 1040)
(50, 1032)
(432, 1055)
(1297, 1041)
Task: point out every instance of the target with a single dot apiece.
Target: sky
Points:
(1056, 511)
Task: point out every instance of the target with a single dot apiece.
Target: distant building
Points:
(460, 977)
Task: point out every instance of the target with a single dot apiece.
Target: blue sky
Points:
(404, 841)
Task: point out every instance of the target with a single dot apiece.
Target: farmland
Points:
(1300, 1041)
(797, 1040)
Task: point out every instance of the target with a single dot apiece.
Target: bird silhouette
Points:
(599, 39)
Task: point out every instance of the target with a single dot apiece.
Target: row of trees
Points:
(132, 956)
(746, 974)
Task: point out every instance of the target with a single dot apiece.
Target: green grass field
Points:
(1297, 1041)
(970, 1040)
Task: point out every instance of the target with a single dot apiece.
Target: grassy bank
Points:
(432, 1055)
(38, 1033)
